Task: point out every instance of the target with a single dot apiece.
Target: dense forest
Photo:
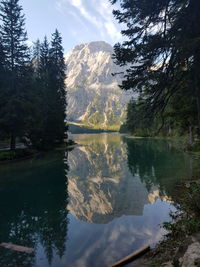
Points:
(163, 54)
(32, 83)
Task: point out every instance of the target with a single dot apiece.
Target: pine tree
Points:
(14, 37)
(35, 123)
(47, 135)
(36, 53)
(2, 64)
(39, 133)
(136, 121)
(57, 80)
(2, 87)
(162, 50)
(48, 127)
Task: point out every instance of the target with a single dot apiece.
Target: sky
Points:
(79, 21)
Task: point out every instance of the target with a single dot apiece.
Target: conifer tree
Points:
(36, 58)
(57, 80)
(14, 37)
(39, 133)
(48, 127)
(162, 50)
(47, 96)
(2, 64)
(2, 87)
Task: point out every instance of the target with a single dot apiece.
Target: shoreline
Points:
(181, 245)
(33, 154)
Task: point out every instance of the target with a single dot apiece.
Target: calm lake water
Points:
(103, 200)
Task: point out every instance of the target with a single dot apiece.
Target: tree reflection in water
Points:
(159, 163)
(33, 210)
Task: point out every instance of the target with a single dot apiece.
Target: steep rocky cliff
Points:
(94, 98)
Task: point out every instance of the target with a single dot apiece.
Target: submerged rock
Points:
(188, 254)
(192, 255)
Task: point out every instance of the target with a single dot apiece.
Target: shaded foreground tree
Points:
(179, 117)
(15, 55)
(136, 121)
(162, 50)
(32, 85)
(57, 88)
(48, 126)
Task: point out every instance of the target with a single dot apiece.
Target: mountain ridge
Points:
(94, 97)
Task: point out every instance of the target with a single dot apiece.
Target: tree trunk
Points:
(190, 135)
(169, 129)
(198, 109)
(196, 84)
(12, 142)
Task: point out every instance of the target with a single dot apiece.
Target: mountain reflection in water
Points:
(108, 199)
(121, 187)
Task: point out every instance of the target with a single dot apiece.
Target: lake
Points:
(93, 205)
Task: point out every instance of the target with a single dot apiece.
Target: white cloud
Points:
(78, 19)
(85, 13)
(105, 10)
(96, 12)
(77, 3)
(112, 31)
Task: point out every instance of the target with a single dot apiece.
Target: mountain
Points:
(94, 98)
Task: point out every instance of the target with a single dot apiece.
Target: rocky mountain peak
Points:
(94, 98)
(94, 47)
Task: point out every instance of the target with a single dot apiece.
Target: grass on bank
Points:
(23, 153)
(77, 128)
(17, 154)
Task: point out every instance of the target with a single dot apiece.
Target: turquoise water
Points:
(91, 206)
